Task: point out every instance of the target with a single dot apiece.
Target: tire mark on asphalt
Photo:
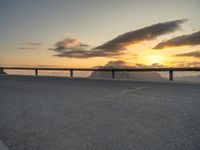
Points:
(133, 90)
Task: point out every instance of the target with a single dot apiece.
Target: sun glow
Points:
(156, 59)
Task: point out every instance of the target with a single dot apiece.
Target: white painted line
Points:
(3, 146)
(133, 90)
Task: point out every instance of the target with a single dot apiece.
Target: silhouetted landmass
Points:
(128, 75)
(125, 75)
(188, 78)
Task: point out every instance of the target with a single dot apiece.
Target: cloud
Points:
(184, 40)
(32, 43)
(124, 64)
(67, 33)
(195, 54)
(26, 48)
(70, 44)
(189, 64)
(148, 33)
(75, 49)
(155, 65)
(71, 47)
(118, 64)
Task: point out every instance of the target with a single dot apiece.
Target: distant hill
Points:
(154, 76)
(188, 78)
(128, 75)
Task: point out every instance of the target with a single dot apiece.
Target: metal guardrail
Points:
(113, 70)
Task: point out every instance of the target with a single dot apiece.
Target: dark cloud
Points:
(195, 54)
(124, 64)
(70, 47)
(70, 44)
(117, 46)
(148, 33)
(30, 46)
(26, 48)
(155, 65)
(189, 64)
(85, 53)
(191, 39)
(32, 43)
(118, 64)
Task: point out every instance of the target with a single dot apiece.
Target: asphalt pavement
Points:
(58, 113)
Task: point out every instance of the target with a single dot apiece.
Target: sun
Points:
(156, 59)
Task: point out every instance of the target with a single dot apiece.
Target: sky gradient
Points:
(39, 32)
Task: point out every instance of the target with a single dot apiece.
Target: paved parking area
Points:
(57, 113)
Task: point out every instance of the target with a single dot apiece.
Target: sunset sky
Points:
(88, 33)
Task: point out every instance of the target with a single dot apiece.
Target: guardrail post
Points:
(2, 70)
(171, 75)
(71, 73)
(113, 74)
(36, 72)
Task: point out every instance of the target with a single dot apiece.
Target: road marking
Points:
(133, 90)
(3, 146)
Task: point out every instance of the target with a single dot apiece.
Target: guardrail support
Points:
(171, 75)
(2, 70)
(71, 73)
(113, 74)
(36, 72)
